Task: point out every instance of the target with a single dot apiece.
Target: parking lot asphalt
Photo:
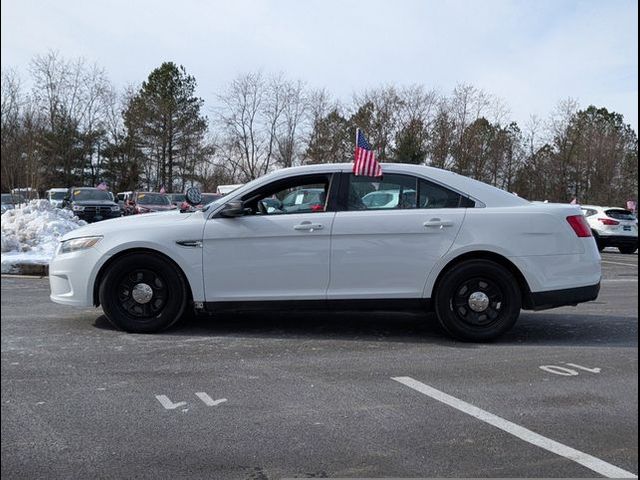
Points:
(320, 395)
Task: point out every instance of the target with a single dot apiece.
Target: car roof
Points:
(490, 196)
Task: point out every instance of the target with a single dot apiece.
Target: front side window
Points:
(306, 194)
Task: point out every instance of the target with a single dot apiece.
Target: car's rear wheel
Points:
(143, 293)
(627, 249)
(601, 245)
(477, 300)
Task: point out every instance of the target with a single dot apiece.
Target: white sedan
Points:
(474, 254)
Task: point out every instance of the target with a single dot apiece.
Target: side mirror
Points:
(193, 196)
(233, 209)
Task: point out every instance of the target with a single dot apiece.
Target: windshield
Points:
(153, 199)
(9, 198)
(57, 195)
(90, 194)
(177, 197)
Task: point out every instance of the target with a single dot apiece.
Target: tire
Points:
(143, 293)
(498, 293)
(628, 250)
(601, 245)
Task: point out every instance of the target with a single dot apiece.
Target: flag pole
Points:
(355, 151)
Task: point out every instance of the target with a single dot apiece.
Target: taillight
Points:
(579, 225)
(607, 221)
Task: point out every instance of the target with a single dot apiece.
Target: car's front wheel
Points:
(627, 249)
(477, 300)
(143, 293)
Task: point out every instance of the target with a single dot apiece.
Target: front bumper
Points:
(560, 298)
(72, 275)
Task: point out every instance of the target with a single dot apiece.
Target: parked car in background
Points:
(613, 227)
(121, 200)
(476, 259)
(56, 196)
(91, 204)
(388, 198)
(147, 202)
(304, 200)
(176, 198)
(28, 193)
(11, 201)
(210, 197)
(206, 199)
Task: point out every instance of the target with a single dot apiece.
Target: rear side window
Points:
(389, 192)
(401, 192)
(589, 212)
(436, 196)
(620, 214)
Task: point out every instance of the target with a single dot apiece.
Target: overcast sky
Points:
(530, 53)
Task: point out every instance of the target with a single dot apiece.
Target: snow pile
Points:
(30, 234)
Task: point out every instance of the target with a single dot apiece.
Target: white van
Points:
(56, 196)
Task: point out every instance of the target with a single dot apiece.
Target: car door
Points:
(388, 251)
(271, 253)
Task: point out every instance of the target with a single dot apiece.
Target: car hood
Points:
(94, 203)
(116, 225)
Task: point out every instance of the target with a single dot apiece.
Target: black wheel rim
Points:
(137, 305)
(472, 313)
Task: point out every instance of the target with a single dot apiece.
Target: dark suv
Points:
(91, 204)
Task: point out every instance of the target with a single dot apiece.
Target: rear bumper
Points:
(559, 298)
(618, 240)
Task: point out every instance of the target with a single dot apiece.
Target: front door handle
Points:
(308, 226)
(437, 223)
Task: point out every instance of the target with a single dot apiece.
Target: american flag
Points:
(365, 163)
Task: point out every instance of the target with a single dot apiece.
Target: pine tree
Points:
(165, 122)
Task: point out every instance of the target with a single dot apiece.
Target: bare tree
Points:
(249, 120)
(291, 127)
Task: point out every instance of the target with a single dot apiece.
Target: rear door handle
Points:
(437, 223)
(308, 226)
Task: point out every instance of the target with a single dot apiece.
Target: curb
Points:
(29, 270)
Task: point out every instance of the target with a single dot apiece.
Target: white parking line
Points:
(589, 461)
(208, 401)
(619, 280)
(619, 263)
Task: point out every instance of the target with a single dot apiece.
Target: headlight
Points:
(115, 208)
(78, 208)
(78, 244)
